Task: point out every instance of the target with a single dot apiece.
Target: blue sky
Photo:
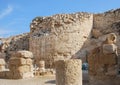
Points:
(16, 15)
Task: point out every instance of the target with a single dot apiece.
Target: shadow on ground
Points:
(51, 82)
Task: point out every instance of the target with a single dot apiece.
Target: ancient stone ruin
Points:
(59, 36)
(103, 63)
(69, 72)
(21, 65)
(93, 38)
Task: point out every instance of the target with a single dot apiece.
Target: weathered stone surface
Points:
(59, 36)
(109, 48)
(20, 65)
(69, 72)
(17, 61)
(108, 22)
(23, 54)
(42, 66)
(103, 64)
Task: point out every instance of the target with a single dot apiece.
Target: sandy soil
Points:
(46, 80)
(49, 80)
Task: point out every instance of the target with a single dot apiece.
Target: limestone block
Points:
(17, 75)
(22, 75)
(9, 74)
(23, 68)
(42, 66)
(23, 53)
(69, 72)
(109, 48)
(96, 33)
(17, 61)
(27, 75)
(2, 68)
(110, 59)
(12, 67)
(2, 74)
(29, 62)
(2, 62)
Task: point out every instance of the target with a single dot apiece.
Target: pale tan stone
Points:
(17, 61)
(20, 65)
(109, 48)
(23, 53)
(69, 72)
(59, 36)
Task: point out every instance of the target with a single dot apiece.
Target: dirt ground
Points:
(49, 80)
(46, 80)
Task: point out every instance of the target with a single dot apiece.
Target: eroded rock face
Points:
(103, 24)
(59, 36)
(104, 64)
(108, 22)
(14, 43)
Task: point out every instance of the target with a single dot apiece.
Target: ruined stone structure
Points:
(108, 22)
(20, 65)
(69, 72)
(79, 35)
(14, 43)
(59, 36)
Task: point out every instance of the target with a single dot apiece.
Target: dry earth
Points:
(46, 80)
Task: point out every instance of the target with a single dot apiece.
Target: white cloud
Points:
(6, 11)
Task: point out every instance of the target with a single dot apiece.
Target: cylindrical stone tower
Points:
(69, 72)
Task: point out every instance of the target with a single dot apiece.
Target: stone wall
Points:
(59, 36)
(104, 65)
(14, 43)
(103, 24)
(108, 22)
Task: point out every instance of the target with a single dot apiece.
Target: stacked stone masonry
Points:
(21, 65)
(103, 64)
